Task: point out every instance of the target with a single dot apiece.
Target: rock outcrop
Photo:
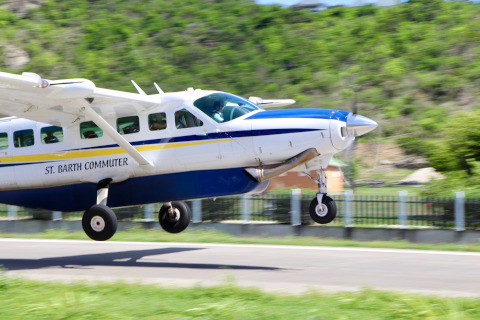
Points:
(422, 176)
(21, 7)
(14, 58)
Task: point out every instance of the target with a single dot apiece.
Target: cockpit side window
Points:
(223, 107)
(185, 119)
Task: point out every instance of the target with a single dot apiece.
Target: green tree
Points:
(463, 139)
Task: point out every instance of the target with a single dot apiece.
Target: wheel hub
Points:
(97, 223)
(321, 210)
(173, 215)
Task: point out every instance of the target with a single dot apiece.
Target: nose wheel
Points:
(323, 209)
(323, 212)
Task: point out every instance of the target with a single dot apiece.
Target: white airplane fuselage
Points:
(89, 148)
(207, 160)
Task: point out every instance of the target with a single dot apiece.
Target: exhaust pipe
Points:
(263, 173)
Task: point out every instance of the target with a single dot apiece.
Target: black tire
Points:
(179, 221)
(99, 222)
(324, 213)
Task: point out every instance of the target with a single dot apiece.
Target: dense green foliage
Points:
(23, 299)
(411, 67)
(402, 61)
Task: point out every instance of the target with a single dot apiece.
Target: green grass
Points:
(213, 236)
(25, 299)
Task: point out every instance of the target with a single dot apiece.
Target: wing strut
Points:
(112, 133)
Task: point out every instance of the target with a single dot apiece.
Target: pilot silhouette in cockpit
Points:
(217, 112)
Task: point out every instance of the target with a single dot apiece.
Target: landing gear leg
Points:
(323, 209)
(174, 217)
(99, 221)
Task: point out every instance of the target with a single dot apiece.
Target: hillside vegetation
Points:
(414, 67)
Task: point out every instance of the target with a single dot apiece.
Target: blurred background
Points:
(413, 67)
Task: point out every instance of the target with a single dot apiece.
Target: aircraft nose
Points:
(359, 125)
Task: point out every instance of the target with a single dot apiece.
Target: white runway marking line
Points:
(260, 246)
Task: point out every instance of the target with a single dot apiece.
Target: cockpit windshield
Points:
(223, 107)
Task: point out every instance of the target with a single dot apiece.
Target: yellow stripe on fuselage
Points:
(99, 152)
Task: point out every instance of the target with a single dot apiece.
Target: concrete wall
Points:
(274, 230)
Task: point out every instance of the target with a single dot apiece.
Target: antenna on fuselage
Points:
(138, 88)
(158, 88)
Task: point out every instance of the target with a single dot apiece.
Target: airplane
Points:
(67, 145)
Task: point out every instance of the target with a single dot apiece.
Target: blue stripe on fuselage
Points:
(301, 113)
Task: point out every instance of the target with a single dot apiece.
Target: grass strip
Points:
(26, 299)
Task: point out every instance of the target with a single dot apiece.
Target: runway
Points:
(289, 269)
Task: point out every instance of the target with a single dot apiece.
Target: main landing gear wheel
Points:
(174, 217)
(99, 222)
(325, 212)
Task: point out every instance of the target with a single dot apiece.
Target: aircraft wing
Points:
(65, 102)
(59, 102)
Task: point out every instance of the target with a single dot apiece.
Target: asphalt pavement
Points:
(289, 269)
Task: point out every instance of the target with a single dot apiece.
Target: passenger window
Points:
(89, 130)
(127, 125)
(3, 140)
(51, 134)
(184, 119)
(157, 121)
(23, 138)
